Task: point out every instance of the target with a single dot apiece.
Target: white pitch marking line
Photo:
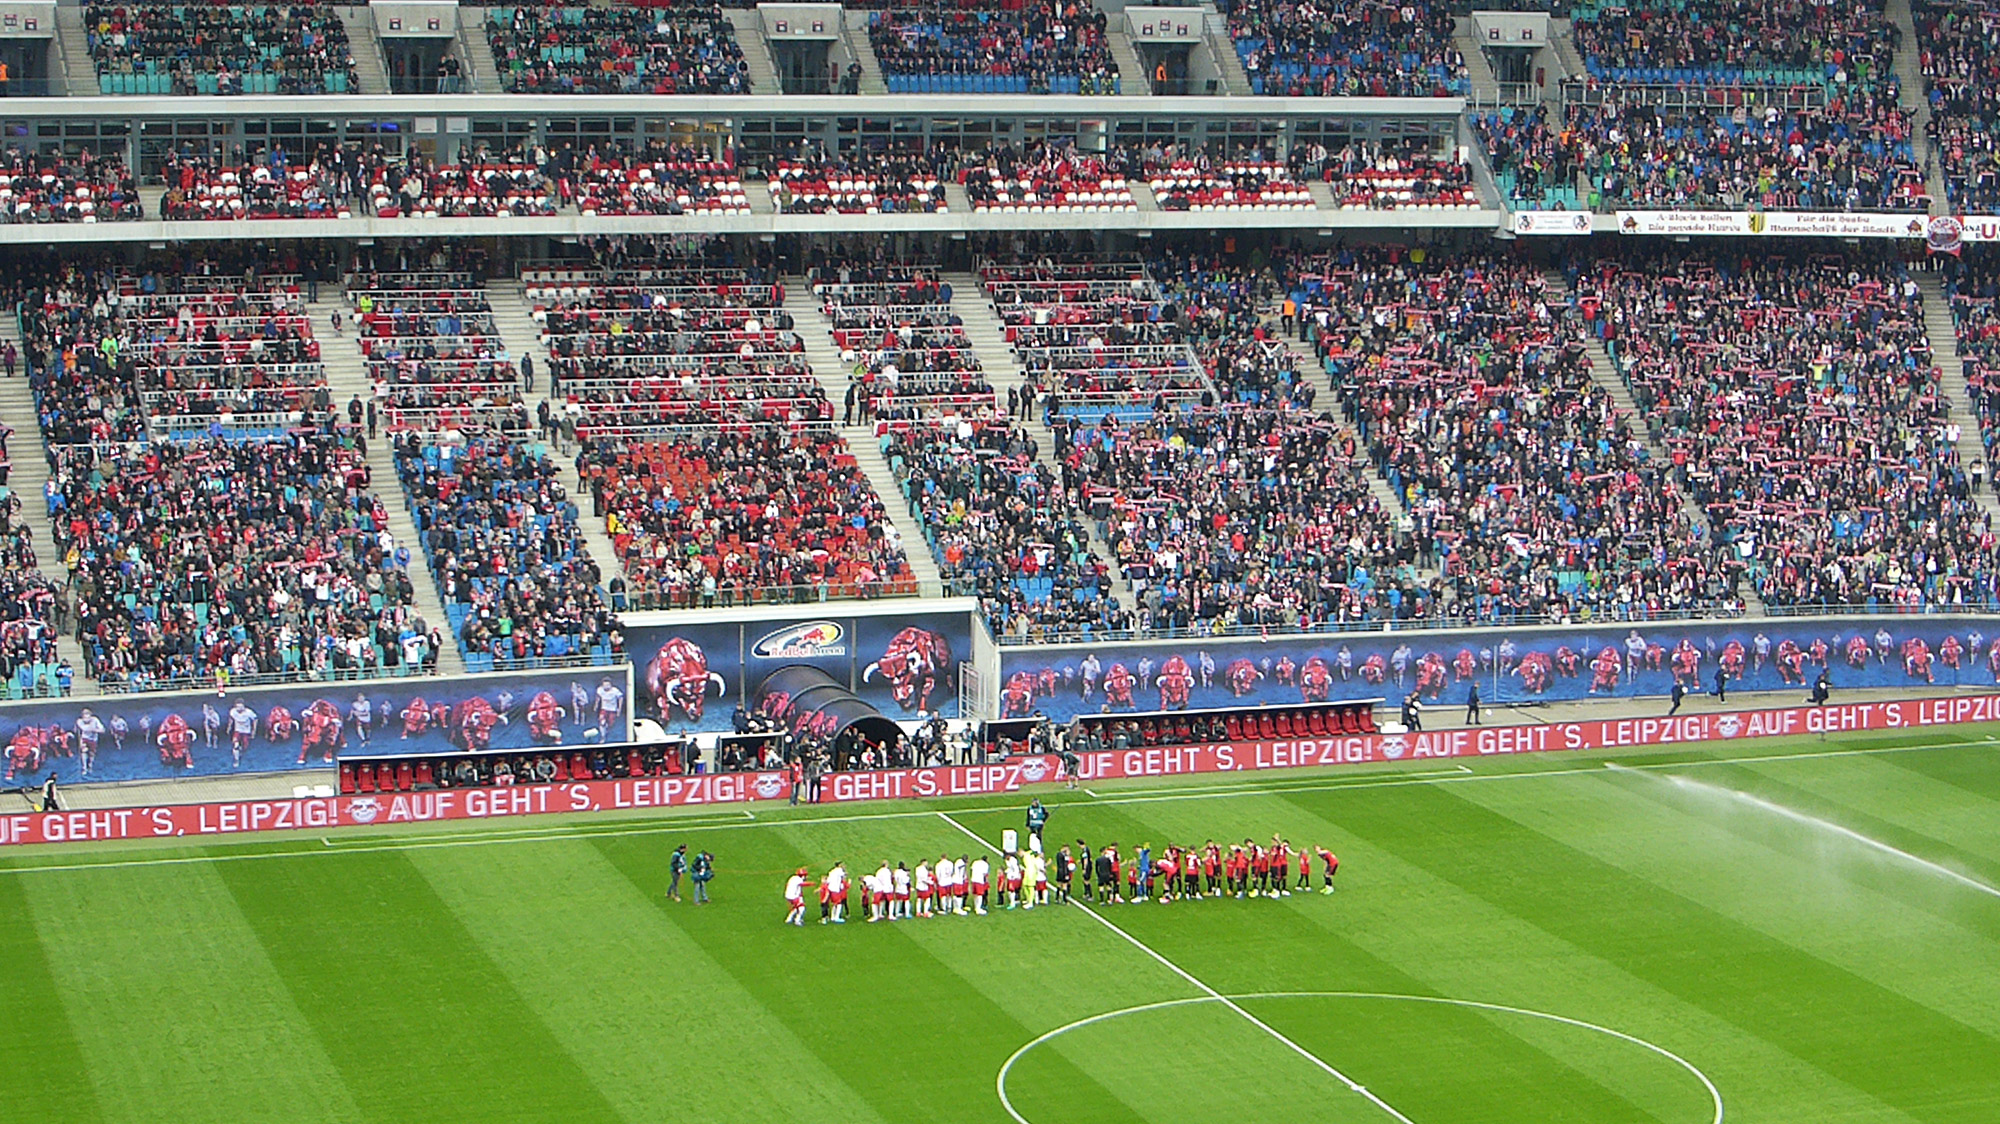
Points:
(1140, 796)
(1000, 1081)
(1215, 995)
(1090, 794)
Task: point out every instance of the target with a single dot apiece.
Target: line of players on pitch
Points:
(964, 886)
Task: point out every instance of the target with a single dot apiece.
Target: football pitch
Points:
(1760, 932)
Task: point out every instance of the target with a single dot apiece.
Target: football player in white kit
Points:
(982, 872)
(925, 888)
(795, 898)
(878, 892)
(899, 893)
(958, 869)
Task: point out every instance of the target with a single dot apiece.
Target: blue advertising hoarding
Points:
(692, 668)
(1554, 663)
(268, 729)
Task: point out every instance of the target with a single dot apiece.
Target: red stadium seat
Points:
(364, 777)
(346, 778)
(405, 776)
(425, 778)
(1235, 726)
(1317, 723)
(562, 768)
(1284, 725)
(1366, 717)
(635, 763)
(1265, 727)
(579, 769)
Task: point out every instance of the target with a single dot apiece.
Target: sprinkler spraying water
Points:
(1814, 822)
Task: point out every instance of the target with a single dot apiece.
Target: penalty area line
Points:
(1217, 996)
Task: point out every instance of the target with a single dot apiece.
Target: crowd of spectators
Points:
(741, 514)
(204, 559)
(1534, 158)
(1004, 526)
(1045, 177)
(31, 607)
(505, 544)
(994, 46)
(659, 178)
(1854, 153)
(621, 49)
(1524, 485)
(812, 180)
(1799, 396)
(50, 187)
(1735, 42)
(1379, 48)
(1960, 59)
(1972, 286)
(206, 50)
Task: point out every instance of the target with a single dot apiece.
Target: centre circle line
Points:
(1000, 1080)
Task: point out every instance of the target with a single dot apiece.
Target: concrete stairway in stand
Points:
(854, 32)
(1910, 73)
(369, 71)
(749, 25)
(1604, 372)
(1003, 369)
(347, 378)
(27, 476)
(514, 318)
(1137, 81)
(817, 333)
(1235, 80)
(477, 52)
(79, 77)
(1942, 329)
(1485, 87)
(1326, 400)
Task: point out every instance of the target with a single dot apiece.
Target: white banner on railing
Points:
(1551, 222)
(1773, 223)
(1780, 224)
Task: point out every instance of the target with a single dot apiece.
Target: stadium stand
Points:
(812, 181)
(741, 514)
(1300, 48)
(994, 47)
(1960, 62)
(504, 541)
(909, 355)
(616, 49)
(1735, 43)
(998, 519)
(1474, 398)
(54, 188)
(434, 354)
(1800, 400)
(211, 49)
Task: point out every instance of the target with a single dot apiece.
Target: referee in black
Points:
(49, 802)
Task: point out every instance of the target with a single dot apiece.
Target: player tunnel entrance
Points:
(813, 705)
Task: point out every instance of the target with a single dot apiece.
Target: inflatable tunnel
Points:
(807, 699)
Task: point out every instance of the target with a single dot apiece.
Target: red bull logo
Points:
(802, 642)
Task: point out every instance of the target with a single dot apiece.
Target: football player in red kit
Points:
(1328, 864)
(1211, 867)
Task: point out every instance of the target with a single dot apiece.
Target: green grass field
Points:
(1540, 939)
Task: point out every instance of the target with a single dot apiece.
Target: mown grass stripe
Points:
(181, 1014)
(420, 1021)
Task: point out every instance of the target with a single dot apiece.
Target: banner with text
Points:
(211, 820)
(1779, 224)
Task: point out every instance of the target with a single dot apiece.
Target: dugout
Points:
(1238, 724)
(364, 774)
